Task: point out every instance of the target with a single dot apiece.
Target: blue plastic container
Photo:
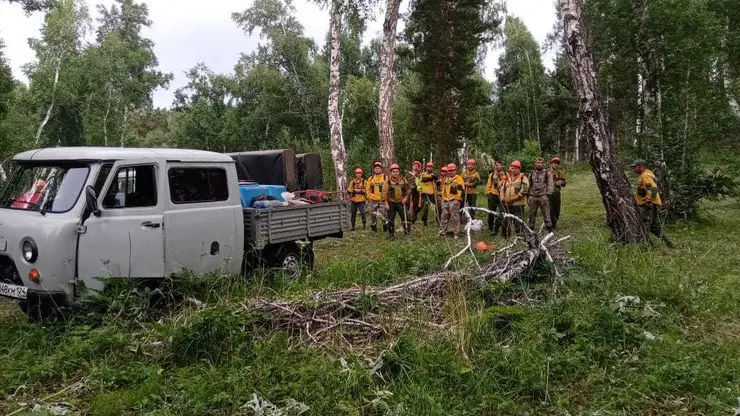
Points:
(251, 190)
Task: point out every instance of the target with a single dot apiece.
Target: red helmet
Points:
(416, 162)
(517, 164)
(430, 164)
(358, 170)
(377, 164)
(555, 159)
(451, 166)
(471, 162)
(395, 166)
(443, 169)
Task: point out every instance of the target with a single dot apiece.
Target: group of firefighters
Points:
(407, 196)
(386, 196)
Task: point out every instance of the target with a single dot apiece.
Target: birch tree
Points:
(338, 151)
(615, 189)
(385, 97)
(57, 52)
(121, 72)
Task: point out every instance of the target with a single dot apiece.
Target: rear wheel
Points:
(290, 259)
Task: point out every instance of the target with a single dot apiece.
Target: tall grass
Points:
(629, 332)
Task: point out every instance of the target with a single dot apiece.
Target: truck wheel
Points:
(291, 260)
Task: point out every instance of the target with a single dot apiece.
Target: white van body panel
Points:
(204, 237)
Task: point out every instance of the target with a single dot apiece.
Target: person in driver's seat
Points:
(29, 199)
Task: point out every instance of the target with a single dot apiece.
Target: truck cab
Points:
(69, 216)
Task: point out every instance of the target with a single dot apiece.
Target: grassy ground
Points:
(629, 332)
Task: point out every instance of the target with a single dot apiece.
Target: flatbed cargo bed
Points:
(284, 224)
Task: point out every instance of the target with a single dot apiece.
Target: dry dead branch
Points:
(359, 315)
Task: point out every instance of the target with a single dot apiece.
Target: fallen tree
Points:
(360, 314)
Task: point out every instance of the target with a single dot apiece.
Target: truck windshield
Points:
(45, 188)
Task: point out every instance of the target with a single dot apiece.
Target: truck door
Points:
(203, 231)
(127, 239)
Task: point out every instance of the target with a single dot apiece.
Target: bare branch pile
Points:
(358, 315)
(355, 313)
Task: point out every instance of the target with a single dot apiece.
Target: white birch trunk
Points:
(615, 189)
(105, 118)
(385, 101)
(578, 144)
(57, 69)
(731, 99)
(124, 127)
(338, 151)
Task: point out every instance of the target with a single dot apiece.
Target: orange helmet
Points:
(430, 164)
(443, 169)
(377, 164)
(471, 162)
(395, 166)
(416, 162)
(517, 164)
(555, 159)
(451, 166)
(358, 170)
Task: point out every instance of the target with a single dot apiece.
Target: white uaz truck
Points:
(69, 216)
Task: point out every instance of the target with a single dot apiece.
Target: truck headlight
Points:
(29, 251)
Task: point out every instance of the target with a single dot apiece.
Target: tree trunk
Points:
(53, 96)
(124, 126)
(338, 152)
(385, 102)
(578, 143)
(613, 184)
(105, 118)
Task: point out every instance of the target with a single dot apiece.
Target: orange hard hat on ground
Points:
(482, 246)
(517, 164)
(555, 159)
(471, 162)
(451, 166)
(358, 170)
(394, 166)
(416, 162)
(377, 164)
(430, 164)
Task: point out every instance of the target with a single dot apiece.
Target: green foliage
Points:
(444, 39)
(521, 82)
(681, 52)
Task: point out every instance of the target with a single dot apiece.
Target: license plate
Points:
(13, 291)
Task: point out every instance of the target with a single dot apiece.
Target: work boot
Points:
(374, 228)
(426, 223)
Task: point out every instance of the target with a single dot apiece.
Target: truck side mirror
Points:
(91, 200)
